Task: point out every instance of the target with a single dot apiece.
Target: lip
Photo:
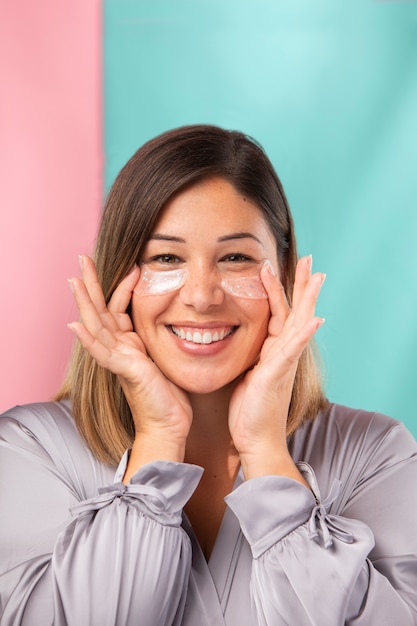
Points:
(203, 325)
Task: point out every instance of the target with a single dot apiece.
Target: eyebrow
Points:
(239, 235)
(161, 237)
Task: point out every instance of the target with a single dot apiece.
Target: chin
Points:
(201, 388)
(202, 384)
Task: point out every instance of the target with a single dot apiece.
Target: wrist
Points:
(267, 461)
(147, 448)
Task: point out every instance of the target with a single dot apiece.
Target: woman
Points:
(195, 356)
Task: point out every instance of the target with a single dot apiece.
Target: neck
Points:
(209, 441)
(210, 446)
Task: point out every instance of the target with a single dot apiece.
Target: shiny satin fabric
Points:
(77, 546)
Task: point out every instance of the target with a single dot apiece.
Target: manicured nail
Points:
(309, 261)
(71, 284)
(323, 278)
(270, 267)
(81, 261)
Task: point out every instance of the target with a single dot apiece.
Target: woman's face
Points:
(204, 325)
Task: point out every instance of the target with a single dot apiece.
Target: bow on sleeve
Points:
(320, 522)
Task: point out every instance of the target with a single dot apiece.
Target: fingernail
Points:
(270, 267)
(323, 278)
(71, 284)
(81, 260)
(309, 261)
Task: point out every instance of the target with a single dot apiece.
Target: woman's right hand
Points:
(161, 411)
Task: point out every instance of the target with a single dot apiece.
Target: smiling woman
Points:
(196, 234)
(181, 466)
(174, 169)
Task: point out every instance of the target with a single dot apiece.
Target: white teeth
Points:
(197, 337)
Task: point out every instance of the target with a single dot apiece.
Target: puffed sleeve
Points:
(120, 557)
(315, 568)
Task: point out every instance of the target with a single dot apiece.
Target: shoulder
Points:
(367, 429)
(343, 442)
(46, 431)
(46, 422)
(338, 425)
(358, 422)
(32, 415)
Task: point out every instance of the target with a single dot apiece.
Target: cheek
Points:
(255, 309)
(145, 311)
(259, 315)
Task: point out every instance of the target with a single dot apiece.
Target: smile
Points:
(202, 335)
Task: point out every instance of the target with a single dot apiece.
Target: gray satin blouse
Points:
(79, 548)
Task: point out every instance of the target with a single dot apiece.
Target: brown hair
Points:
(154, 174)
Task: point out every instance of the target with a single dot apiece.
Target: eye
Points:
(162, 260)
(237, 262)
(237, 257)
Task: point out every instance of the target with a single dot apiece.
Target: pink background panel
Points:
(50, 181)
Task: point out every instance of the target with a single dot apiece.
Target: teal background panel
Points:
(330, 90)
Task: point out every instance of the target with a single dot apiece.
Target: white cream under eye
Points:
(154, 283)
(246, 283)
(245, 286)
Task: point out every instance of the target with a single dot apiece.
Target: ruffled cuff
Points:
(271, 507)
(159, 490)
(268, 508)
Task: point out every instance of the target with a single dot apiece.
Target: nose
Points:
(202, 288)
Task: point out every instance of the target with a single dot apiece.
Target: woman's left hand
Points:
(259, 405)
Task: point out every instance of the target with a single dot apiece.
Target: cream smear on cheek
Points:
(243, 285)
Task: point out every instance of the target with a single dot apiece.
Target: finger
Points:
(302, 276)
(92, 283)
(298, 340)
(94, 321)
(305, 308)
(121, 358)
(112, 316)
(122, 295)
(285, 319)
(96, 348)
(278, 302)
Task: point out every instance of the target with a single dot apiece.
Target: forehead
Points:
(213, 205)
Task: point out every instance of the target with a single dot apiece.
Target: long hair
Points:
(161, 168)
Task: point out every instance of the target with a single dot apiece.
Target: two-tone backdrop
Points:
(330, 90)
